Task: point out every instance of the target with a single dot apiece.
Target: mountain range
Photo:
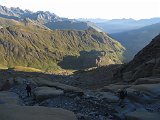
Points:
(50, 20)
(122, 25)
(46, 21)
(25, 43)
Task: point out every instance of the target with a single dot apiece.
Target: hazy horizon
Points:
(91, 9)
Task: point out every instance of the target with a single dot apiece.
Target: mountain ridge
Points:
(146, 63)
(122, 25)
(138, 38)
(27, 45)
(46, 18)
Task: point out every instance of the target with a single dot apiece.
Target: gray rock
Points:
(14, 112)
(42, 93)
(149, 80)
(142, 115)
(109, 97)
(9, 98)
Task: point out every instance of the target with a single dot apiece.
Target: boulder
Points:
(127, 76)
(5, 85)
(142, 115)
(156, 71)
(15, 112)
(109, 97)
(149, 89)
(144, 93)
(65, 88)
(9, 98)
(147, 81)
(113, 88)
(42, 93)
(138, 96)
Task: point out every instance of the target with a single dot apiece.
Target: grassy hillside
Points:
(30, 46)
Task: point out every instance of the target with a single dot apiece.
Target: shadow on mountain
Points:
(67, 25)
(9, 77)
(9, 17)
(85, 60)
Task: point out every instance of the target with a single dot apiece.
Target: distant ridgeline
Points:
(30, 43)
(135, 40)
(45, 19)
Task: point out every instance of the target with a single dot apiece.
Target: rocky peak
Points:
(44, 18)
(6, 11)
(47, 16)
(17, 10)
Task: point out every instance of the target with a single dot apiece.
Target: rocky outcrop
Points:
(141, 115)
(9, 98)
(42, 93)
(148, 89)
(149, 80)
(113, 88)
(145, 64)
(14, 112)
(57, 85)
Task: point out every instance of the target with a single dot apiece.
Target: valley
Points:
(75, 71)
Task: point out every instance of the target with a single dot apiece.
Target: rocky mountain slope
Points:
(135, 40)
(145, 64)
(30, 45)
(141, 78)
(46, 18)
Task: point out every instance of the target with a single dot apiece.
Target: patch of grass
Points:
(26, 69)
(3, 67)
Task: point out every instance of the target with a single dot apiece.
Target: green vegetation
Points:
(3, 67)
(26, 69)
(32, 46)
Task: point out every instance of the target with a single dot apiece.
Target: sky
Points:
(105, 9)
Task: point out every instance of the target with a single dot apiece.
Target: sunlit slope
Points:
(31, 46)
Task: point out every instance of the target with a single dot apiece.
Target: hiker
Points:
(28, 89)
(122, 93)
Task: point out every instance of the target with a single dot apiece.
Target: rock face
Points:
(13, 112)
(145, 64)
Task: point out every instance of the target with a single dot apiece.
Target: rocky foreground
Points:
(57, 100)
